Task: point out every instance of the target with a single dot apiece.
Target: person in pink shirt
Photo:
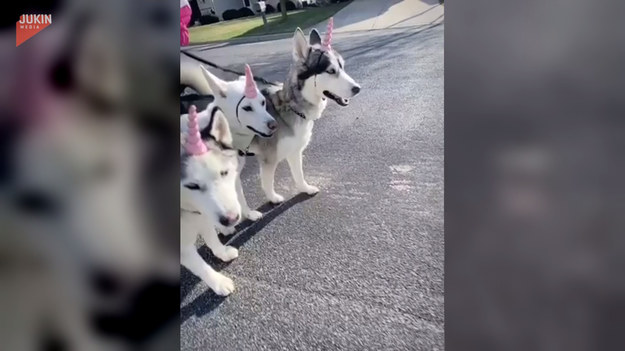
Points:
(185, 18)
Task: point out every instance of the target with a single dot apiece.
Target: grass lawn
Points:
(226, 30)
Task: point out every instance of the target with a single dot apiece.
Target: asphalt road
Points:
(360, 265)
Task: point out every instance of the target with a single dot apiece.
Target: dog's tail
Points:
(208, 63)
(191, 76)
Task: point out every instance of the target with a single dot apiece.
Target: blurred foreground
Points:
(89, 243)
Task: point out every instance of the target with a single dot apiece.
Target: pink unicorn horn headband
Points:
(327, 40)
(194, 144)
(250, 85)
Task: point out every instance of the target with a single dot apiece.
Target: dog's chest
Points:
(299, 139)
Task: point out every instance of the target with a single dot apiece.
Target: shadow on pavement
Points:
(247, 229)
(208, 301)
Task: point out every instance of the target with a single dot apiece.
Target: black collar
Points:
(245, 153)
(297, 112)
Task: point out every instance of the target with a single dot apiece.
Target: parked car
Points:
(290, 4)
(219, 7)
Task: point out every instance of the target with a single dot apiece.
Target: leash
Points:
(297, 112)
(197, 58)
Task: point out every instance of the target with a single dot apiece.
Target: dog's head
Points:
(209, 169)
(320, 69)
(242, 102)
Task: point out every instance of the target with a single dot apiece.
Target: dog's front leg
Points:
(267, 173)
(190, 258)
(297, 171)
(221, 251)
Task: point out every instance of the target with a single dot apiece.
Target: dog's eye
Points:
(263, 103)
(247, 108)
(192, 186)
(224, 173)
(331, 71)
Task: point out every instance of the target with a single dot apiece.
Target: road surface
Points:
(360, 265)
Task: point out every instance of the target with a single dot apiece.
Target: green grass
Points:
(227, 30)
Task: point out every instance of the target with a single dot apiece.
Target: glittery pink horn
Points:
(194, 144)
(250, 85)
(327, 40)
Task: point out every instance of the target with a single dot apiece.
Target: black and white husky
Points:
(317, 74)
(208, 196)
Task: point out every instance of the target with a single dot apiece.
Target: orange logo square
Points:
(29, 25)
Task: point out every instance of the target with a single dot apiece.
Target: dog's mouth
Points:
(260, 133)
(339, 100)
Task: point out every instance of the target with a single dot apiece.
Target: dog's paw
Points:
(253, 215)
(228, 253)
(276, 198)
(222, 285)
(309, 189)
(227, 230)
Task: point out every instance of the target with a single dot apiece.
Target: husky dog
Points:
(208, 196)
(244, 108)
(316, 74)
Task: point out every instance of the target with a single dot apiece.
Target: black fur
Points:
(317, 62)
(205, 133)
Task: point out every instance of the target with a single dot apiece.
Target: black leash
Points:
(297, 112)
(197, 58)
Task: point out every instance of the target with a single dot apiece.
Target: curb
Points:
(270, 37)
(245, 40)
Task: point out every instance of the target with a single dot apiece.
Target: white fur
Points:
(191, 75)
(227, 96)
(215, 173)
(291, 149)
(190, 226)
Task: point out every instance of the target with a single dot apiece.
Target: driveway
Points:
(384, 14)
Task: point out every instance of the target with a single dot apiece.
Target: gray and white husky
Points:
(317, 74)
(208, 196)
(245, 109)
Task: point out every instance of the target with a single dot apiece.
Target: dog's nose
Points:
(355, 90)
(229, 219)
(272, 125)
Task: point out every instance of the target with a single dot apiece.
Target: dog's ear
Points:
(300, 45)
(220, 129)
(314, 38)
(217, 85)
